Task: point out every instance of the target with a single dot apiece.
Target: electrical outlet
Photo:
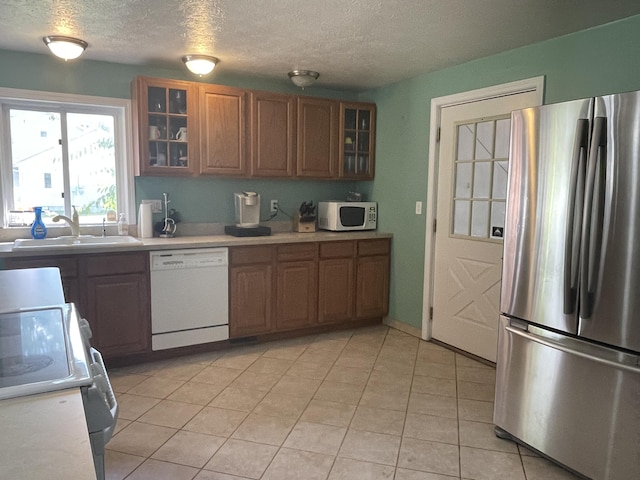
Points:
(274, 206)
(418, 208)
(156, 205)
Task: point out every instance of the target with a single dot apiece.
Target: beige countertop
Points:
(198, 241)
(45, 436)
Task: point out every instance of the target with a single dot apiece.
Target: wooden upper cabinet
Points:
(272, 136)
(222, 126)
(190, 128)
(165, 126)
(317, 136)
(357, 140)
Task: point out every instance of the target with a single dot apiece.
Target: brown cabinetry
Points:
(111, 292)
(272, 135)
(336, 282)
(165, 126)
(357, 140)
(277, 288)
(317, 136)
(222, 113)
(296, 286)
(250, 290)
(117, 302)
(189, 128)
(372, 281)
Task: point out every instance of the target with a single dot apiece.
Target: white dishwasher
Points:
(189, 297)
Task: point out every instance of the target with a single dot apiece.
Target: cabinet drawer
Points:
(116, 264)
(251, 255)
(68, 265)
(297, 251)
(337, 249)
(374, 247)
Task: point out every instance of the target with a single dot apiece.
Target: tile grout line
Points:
(297, 419)
(357, 405)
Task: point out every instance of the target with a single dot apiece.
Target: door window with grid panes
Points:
(480, 181)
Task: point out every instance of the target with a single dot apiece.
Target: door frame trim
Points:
(534, 84)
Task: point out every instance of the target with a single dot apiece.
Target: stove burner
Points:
(21, 364)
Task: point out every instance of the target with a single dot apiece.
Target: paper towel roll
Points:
(145, 221)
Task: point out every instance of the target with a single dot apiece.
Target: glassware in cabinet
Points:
(165, 118)
(357, 139)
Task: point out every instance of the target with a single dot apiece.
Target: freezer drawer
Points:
(576, 402)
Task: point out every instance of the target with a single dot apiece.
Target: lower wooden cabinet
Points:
(251, 308)
(336, 280)
(111, 291)
(372, 283)
(295, 286)
(250, 290)
(118, 302)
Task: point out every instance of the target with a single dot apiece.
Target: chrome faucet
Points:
(73, 223)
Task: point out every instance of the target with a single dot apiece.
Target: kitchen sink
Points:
(83, 241)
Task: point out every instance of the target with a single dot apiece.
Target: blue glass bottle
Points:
(38, 229)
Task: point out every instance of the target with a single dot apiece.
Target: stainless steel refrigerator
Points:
(568, 366)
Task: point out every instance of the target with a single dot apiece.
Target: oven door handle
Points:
(110, 397)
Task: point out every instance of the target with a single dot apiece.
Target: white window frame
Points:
(118, 107)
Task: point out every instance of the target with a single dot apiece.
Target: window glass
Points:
(465, 142)
(484, 141)
(61, 151)
(36, 160)
(92, 165)
(480, 183)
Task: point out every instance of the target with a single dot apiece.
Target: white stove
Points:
(42, 350)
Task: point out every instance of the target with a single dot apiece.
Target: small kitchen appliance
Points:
(247, 205)
(247, 209)
(346, 216)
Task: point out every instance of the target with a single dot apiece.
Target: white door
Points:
(470, 207)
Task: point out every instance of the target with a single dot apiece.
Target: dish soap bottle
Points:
(38, 229)
(123, 227)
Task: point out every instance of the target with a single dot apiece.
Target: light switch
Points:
(418, 208)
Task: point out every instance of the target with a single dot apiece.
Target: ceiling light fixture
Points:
(200, 64)
(303, 78)
(66, 48)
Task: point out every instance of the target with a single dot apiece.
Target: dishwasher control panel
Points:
(193, 258)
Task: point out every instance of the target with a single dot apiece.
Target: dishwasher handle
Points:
(189, 258)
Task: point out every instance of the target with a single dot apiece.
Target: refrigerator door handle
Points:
(584, 353)
(574, 217)
(593, 218)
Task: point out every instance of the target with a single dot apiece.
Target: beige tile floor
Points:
(371, 403)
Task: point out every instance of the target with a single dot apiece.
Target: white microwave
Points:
(343, 216)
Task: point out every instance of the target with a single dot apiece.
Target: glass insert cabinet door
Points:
(357, 138)
(166, 126)
(480, 180)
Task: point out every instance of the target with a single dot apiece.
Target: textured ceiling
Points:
(354, 44)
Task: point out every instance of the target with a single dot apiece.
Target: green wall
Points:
(592, 62)
(197, 199)
(596, 61)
